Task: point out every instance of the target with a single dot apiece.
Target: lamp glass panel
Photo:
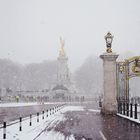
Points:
(109, 40)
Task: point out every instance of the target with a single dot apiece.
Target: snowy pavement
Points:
(35, 132)
(49, 132)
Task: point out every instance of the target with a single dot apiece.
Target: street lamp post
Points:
(108, 39)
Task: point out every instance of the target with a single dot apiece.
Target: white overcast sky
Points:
(30, 29)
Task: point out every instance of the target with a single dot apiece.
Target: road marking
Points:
(102, 135)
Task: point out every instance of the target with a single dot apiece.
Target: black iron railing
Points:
(131, 110)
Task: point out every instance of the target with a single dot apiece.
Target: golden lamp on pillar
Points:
(109, 39)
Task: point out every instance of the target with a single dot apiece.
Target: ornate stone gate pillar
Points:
(109, 103)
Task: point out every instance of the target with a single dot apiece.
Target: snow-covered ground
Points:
(131, 119)
(94, 110)
(25, 104)
(39, 130)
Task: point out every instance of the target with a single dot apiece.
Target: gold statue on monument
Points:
(62, 51)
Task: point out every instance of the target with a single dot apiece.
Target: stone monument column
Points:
(109, 103)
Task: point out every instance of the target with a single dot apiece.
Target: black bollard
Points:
(131, 110)
(50, 111)
(37, 117)
(54, 109)
(4, 130)
(136, 111)
(43, 115)
(30, 120)
(47, 113)
(20, 124)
